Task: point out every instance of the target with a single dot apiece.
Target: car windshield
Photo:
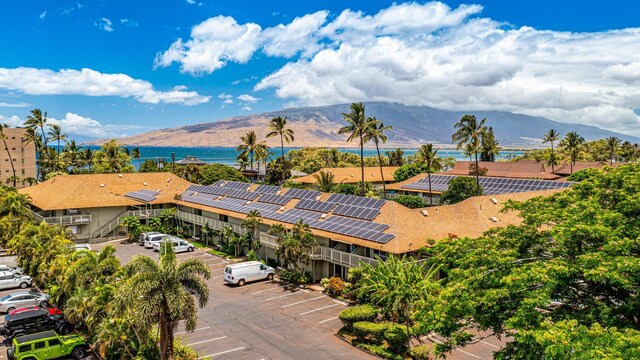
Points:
(5, 298)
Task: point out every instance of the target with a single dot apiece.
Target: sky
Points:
(121, 67)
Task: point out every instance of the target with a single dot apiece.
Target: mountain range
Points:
(318, 126)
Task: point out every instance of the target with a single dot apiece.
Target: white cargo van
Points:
(148, 243)
(244, 272)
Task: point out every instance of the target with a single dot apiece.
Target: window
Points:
(24, 348)
(6, 277)
(54, 342)
(224, 218)
(39, 345)
(263, 267)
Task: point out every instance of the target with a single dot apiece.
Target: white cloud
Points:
(89, 82)
(128, 22)
(14, 105)
(287, 40)
(43, 14)
(247, 108)
(75, 124)
(213, 43)
(224, 96)
(228, 101)
(105, 24)
(12, 121)
(248, 98)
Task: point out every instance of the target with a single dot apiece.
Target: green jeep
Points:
(47, 345)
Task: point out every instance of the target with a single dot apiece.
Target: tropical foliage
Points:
(460, 188)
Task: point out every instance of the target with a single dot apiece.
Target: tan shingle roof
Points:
(525, 169)
(84, 191)
(353, 175)
(565, 169)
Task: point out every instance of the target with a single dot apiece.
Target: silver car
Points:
(22, 299)
(9, 280)
(13, 269)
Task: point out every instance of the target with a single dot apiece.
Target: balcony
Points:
(212, 223)
(69, 219)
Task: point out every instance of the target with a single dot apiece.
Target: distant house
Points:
(353, 175)
(565, 169)
(525, 169)
(191, 160)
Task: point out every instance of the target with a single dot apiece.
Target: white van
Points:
(244, 272)
(148, 243)
(179, 245)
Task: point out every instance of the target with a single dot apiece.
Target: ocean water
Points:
(225, 155)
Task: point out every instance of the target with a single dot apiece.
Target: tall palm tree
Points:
(551, 136)
(278, 127)
(37, 121)
(325, 181)
(573, 144)
(248, 147)
(470, 131)
(4, 138)
(262, 155)
(376, 132)
(356, 131)
(72, 153)
(163, 293)
(432, 162)
(613, 143)
(87, 156)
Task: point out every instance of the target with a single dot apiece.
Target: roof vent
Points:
(169, 179)
(351, 175)
(282, 208)
(145, 184)
(119, 175)
(494, 200)
(424, 212)
(101, 185)
(323, 216)
(494, 219)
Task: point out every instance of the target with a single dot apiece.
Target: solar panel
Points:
(356, 201)
(292, 215)
(236, 185)
(367, 230)
(274, 199)
(267, 189)
(143, 195)
(356, 212)
(219, 183)
(302, 194)
(262, 207)
(490, 185)
(315, 205)
(213, 190)
(370, 225)
(241, 194)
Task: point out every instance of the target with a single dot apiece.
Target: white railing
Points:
(115, 222)
(344, 258)
(69, 219)
(37, 217)
(212, 223)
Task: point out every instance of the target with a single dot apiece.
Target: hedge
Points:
(412, 202)
(421, 352)
(396, 338)
(380, 351)
(358, 313)
(370, 332)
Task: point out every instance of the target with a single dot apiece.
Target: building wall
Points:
(24, 157)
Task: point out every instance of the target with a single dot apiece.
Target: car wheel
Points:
(78, 353)
(10, 309)
(24, 285)
(44, 304)
(65, 329)
(270, 276)
(190, 249)
(241, 282)
(19, 333)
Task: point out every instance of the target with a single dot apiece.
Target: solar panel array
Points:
(356, 212)
(356, 201)
(262, 207)
(490, 185)
(241, 194)
(357, 228)
(292, 215)
(143, 195)
(302, 194)
(219, 183)
(236, 185)
(267, 189)
(315, 205)
(274, 199)
(211, 189)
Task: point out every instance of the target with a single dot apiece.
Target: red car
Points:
(52, 310)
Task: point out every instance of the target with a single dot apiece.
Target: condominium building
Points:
(22, 155)
(348, 229)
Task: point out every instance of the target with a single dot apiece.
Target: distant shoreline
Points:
(505, 148)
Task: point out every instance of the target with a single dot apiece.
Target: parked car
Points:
(34, 321)
(145, 235)
(13, 269)
(179, 245)
(47, 345)
(244, 272)
(82, 247)
(148, 243)
(51, 310)
(9, 280)
(21, 299)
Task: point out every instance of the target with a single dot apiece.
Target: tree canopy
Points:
(460, 188)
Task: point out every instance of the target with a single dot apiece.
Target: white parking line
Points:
(262, 291)
(220, 353)
(216, 277)
(341, 302)
(303, 301)
(318, 309)
(257, 283)
(490, 344)
(290, 294)
(462, 351)
(324, 321)
(206, 341)
(198, 329)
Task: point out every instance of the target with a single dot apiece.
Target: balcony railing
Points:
(69, 219)
(212, 223)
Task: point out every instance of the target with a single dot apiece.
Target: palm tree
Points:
(72, 153)
(135, 154)
(613, 143)
(551, 136)
(376, 132)
(248, 147)
(252, 224)
(280, 232)
(88, 157)
(432, 162)
(325, 181)
(262, 155)
(356, 130)
(573, 144)
(31, 136)
(470, 131)
(163, 293)
(56, 134)
(37, 121)
(278, 127)
(4, 138)
(296, 247)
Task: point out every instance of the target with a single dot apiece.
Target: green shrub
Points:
(358, 313)
(396, 338)
(380, 351)
(369, 331)
(272, 262)
(295, 276)
(325, 283)
(252, 256)
(421, 352)
(412, 202)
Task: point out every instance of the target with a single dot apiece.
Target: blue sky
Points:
(150, 64)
